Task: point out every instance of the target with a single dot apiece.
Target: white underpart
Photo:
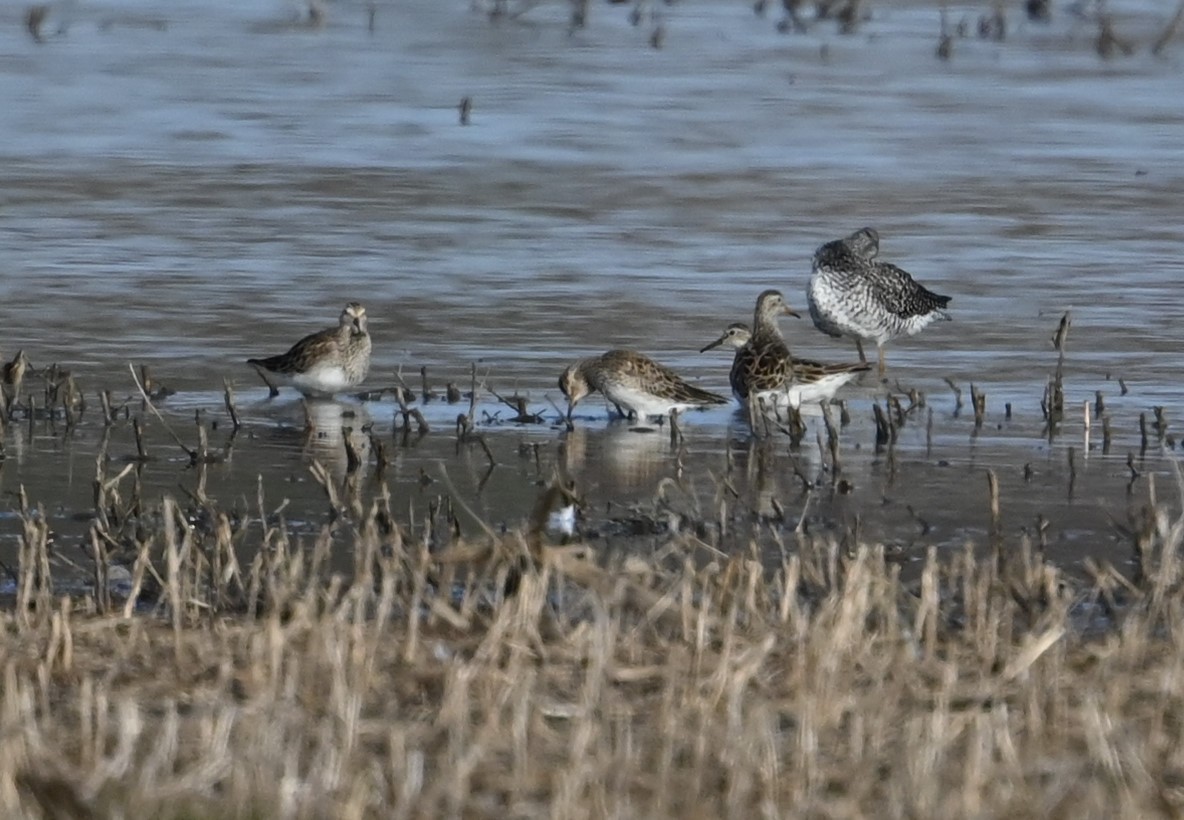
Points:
(855, 312)
(642, 403)
(563, 520)
(322, 380)
(798, 394)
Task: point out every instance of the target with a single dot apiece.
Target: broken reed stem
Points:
(228, 398)
(138, 432)
(978, 401)
(957, 395)
(427, 393)
(148, 403)
(1169, 31)
(473, 391)
(832, 442)
(996, 525)
(352, 459)
(883, 428)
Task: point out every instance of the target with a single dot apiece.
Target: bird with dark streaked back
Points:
(764, 365)
(852, 294)
(634, 382)
(813, 381)
(326, 362)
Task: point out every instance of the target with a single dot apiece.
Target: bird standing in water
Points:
(326, 362)
(853, 294)
(635, 383)
(813, 381)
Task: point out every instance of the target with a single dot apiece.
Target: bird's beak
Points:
(716, 343)
(791, 312)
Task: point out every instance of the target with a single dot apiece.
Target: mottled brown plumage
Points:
(764, 365)
(634, 383)
(813, 381)
(328, 361)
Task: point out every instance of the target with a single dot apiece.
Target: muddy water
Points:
(189, 184)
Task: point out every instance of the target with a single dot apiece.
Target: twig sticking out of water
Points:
(148, 403)
(1099, 405)
(1142, 435)
(1106, 435)
(379, 450)
(1108, 43)
(14, 376)
(228, 397)
(945, 41)
(1061, 336)
(1160, 423)
(978, 401)
(141, 448)
(427, 392)
(410, 413)
(1169, 30)
(1053, 403)
(353, 459)
(34, 19)
(466, 431)
(883, 428)
(1072, 470)
(957, 395)
(993, 25)
(1038, 11)
(105, 404)
(993, 505)
(518, 405)
(832, 442)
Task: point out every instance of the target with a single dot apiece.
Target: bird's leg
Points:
(274, 391)
(883, 366)
(859, 347)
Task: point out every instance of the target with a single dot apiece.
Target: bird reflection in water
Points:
(329, 427)
(618, 456)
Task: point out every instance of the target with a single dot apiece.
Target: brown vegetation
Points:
(682, 683)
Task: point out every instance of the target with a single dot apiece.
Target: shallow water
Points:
(187, 184)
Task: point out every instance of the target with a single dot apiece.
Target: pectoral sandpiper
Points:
(635, 383)
(852, 294)
(326, 362)
(812, 382)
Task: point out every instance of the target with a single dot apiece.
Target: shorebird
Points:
(763, 372)
(813, 381)
(326, 362)
(852, 294)
(634, 383)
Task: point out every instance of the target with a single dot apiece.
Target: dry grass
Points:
(640, 687)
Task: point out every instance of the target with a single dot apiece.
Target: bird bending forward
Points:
(853, 294)
(634, 382)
